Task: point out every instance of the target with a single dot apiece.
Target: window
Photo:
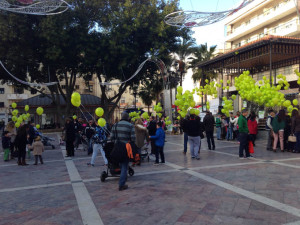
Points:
(63, 86)
(1, 90)
(1, 104)
(123, 101)
(76, 87)
(18, 90)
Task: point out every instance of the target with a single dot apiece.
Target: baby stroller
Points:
(113, 169)
(144, 152)
(45, 140)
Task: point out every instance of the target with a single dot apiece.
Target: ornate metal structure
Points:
(196, 18)
(35, 7)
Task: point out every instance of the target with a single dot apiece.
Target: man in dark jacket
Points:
(152, 130)
(193, 130)
(89, 133)
(209, 122)
(183, 125)
(70, 137)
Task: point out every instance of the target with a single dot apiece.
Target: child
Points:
(6, 145)
(38, 148)
(159, 143)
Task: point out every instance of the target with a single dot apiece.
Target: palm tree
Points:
(185, 47)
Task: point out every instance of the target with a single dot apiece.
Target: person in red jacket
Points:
(252, 126)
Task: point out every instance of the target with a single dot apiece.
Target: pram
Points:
(112, 168)
(144, 152)
(45, 140)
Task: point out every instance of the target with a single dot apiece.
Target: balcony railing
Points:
(265, 15)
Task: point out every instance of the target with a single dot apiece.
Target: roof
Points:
(46, 100)
(255, 44)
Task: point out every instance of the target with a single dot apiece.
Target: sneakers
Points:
(89, 164)
(198, 158)
(124, 187)
(193, 157)
(156, 164)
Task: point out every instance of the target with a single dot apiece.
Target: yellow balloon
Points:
(99, 112)
(74, 117)
(14, 118)
(14, 105)
(39, 111)
(15, 112)
(26, 108)
(17, 124)
(101, 122)
(76, 96)
(295, 102)
(75, 103)
(37, 126)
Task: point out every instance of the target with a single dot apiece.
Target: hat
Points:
(125, 116)
(38, 138)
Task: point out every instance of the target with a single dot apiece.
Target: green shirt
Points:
(243, 126)
(218, 122)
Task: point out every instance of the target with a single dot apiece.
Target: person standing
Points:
(296, 129)
(70, 137)
(234, 121)
(218, 126)
(152, 130)
(78, 129)
(184, 127)
(278, 125)
(5, 145)
(89, 133)
(252, 125)
(229, 135)
(38, 149)
(141, 134)
(20, 143)
(194, 136)
(243, 134)
(10, 127)
(209, 122)
(124, 132)
(159, 138)
(270, 129)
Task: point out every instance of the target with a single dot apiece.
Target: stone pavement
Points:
(218, 189)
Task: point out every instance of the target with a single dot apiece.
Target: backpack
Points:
(119, 152)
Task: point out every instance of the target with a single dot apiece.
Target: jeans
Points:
(195, 144)
(297, 147)
(123, 175)
(159, 150)
(210, 139)
(185, 138)
(98, 148)
(90, 143)
(219, 133)
(243, 138)
(229, 133)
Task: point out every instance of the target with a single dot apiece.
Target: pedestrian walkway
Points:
(218, 189)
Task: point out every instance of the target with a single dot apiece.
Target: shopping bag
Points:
(251, 149)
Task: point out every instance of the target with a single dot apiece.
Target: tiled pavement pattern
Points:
(218, 189)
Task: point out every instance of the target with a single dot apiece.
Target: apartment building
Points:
(264, 38)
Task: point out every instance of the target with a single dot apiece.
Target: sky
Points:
(212, 34)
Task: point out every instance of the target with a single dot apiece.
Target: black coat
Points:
(152, 128)
(194, 128)
(209, 122)
(70, 131)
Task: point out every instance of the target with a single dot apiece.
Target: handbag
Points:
(119, 152)
(292, 138)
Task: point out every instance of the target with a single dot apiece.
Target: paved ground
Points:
(218, 189)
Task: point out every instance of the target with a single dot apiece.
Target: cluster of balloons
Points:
(168, 121)
(101, 121)
(228, 105)
(184, 101)
(19, 119)
(298, 74)
(210, 88)
(135, 115)
(76, 99)
(262, 93)
(145, 116)
(158, 109)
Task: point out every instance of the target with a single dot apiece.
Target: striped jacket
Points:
(124, 130)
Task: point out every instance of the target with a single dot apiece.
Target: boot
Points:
(41, 159)
(36, 160)
(24, 163)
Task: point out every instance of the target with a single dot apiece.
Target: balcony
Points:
(17, 96)
(262, 20)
